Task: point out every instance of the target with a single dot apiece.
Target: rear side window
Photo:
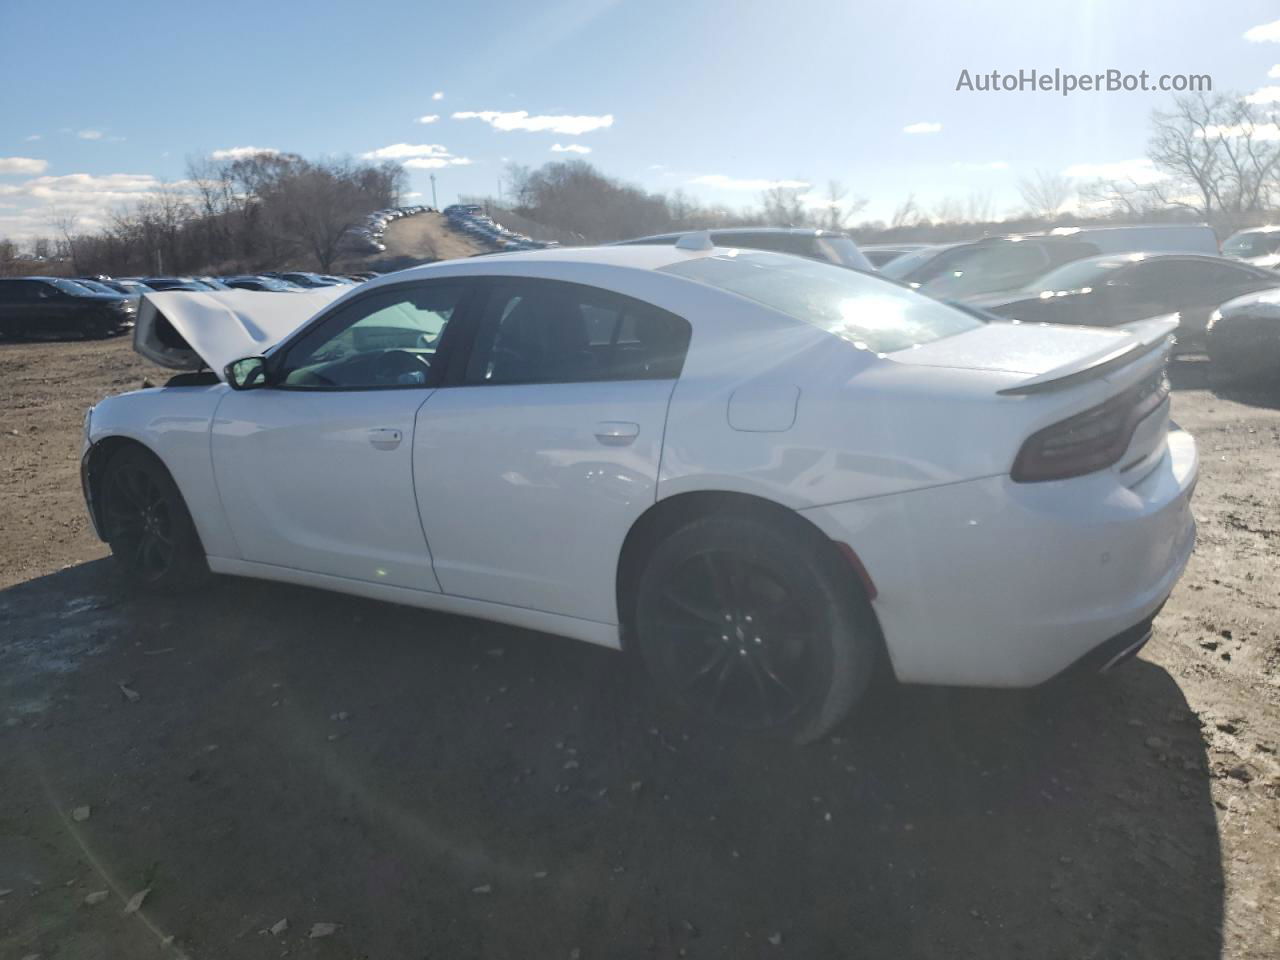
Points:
(868, 312)
(545, 331)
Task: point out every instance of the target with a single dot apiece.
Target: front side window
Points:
(388, 339)
(857, 307)
(544, 331)
(1252, 245)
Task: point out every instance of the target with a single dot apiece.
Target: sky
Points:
(720, 98)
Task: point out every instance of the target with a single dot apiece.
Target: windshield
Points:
(73, 287)
(864, 310)
(1079, 273)
(900, 267)
(96, 287)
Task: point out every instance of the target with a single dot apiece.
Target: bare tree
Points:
(948, 210)
(784, 206)
(1045, 194)
(1219, 156)
(907, 213)
(836, 212)
(65, 222)
(980, 208)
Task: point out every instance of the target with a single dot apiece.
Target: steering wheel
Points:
(401, 367)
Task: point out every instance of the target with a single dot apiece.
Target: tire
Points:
(711, 585)
(147, 525)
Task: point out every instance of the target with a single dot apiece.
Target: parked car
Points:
(213, 283)
(1243, 340)
(1259, 246)
(483, 436)
(118, 285)
(825, 245)
(54, 306)
(304, 279)
(1111, 290)
(266, 284)
(881, 253)
(997, 264)
(177, 283)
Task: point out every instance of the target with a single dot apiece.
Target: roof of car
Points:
(639, 257)
(737, 231)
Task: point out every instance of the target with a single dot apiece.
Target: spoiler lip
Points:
(1152, 335)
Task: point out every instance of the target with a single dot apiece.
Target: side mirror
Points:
(247, 374)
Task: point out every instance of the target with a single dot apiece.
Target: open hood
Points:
(186, 330)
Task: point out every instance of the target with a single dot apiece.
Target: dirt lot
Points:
(427, 235)
(440, 787)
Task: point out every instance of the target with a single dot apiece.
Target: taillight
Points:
(1088, 441)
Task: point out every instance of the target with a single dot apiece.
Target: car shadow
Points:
(1194, 374)
(439, 786)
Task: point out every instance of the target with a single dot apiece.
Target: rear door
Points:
(532, 467)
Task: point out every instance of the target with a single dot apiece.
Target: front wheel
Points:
(756, 626)
(146, 524)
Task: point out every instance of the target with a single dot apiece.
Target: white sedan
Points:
(762, 472)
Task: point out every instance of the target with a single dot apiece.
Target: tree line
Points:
(1211, 157)
(231, 215)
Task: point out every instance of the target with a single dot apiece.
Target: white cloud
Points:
(1264, 32)
(435, 163)
(22, 165)
(90, 134)
(412, 196)
(1259, 131)
(34, 136)
(922, 128)
(1273, 73)
(721, 182)
(1264, 95)
(90, 198)
(657, 166)
(235, 153)
(1140, 171)
(400, 151)
(521, 120)
(993, 165)
(569, 148)
(429, 118)
(438, 95)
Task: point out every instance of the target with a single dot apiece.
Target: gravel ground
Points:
(432, 786)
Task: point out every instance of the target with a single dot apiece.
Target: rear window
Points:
(866, 311)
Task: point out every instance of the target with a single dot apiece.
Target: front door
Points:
(316, 471)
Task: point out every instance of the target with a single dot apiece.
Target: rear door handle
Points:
(385, 438)
(617, 433)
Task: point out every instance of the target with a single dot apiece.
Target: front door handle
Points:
(385, 438)
(617, 433)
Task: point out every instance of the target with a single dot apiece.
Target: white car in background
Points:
(763, 472)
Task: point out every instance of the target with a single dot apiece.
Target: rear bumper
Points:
(1116, 650)
(994, 583)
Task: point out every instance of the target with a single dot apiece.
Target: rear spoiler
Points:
(1154, 335)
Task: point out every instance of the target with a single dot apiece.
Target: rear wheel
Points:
(146, 523)
(756, 626)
